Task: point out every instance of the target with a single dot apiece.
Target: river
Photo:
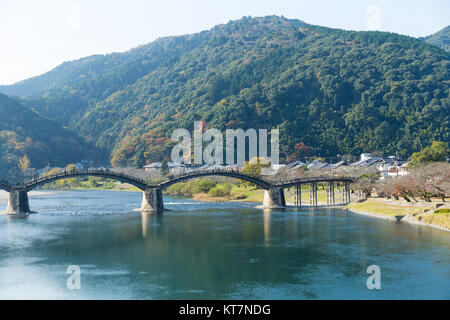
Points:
(202, 250)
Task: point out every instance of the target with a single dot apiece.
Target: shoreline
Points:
(409, 218)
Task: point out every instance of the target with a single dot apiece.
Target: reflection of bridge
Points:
(152, 199)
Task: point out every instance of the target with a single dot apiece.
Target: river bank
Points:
(435, 214)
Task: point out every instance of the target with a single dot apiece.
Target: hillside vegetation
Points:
(341, 92)
(23, 132)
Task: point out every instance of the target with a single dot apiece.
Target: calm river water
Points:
(213, 250)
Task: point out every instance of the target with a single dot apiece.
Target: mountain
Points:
(341, 92)
(24, 132)
(440, 39)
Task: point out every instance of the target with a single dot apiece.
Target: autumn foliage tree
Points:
(301, 151)
(24, 163)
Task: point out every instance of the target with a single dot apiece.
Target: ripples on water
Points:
(213, 250)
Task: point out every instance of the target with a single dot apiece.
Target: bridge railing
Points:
(206, 170)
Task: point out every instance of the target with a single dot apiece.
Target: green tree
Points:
(221, 190)
(253, 167)
(204, 185)
(438, 151)
(93, 182)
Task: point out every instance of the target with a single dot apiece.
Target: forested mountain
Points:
(341, 92)
(43, 141)
(440, 39)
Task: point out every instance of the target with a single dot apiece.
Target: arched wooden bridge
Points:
(224, 173)
(31, 184)
(152, 193)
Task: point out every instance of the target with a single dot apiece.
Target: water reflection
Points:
(267, 214)
(210, 250)
(151, 220)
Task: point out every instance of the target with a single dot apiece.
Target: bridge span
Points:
(31, 184)
(152, 199)
(224, 173)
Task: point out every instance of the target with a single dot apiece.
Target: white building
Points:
(394, 168)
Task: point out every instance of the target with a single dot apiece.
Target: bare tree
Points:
(388, 188)
(431, 180)
(426, 181)
(365, 185)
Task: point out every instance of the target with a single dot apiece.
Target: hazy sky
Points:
(36, 36)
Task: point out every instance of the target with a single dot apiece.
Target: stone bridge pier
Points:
(274, 198)
(152, 200)
(18, 202)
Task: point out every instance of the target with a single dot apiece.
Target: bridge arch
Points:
(197, 174)
(29, 185)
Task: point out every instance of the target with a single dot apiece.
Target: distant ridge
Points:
(440, 39)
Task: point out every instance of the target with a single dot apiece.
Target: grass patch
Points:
(437, 219)
(248, 193)
(378, 208)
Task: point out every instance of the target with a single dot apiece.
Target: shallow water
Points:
(213, 250)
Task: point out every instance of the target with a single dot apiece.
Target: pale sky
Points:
(37, 36)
